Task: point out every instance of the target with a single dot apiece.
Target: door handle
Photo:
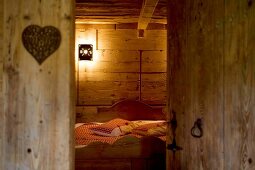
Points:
(196, 130)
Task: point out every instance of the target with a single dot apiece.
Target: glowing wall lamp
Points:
(85, 51)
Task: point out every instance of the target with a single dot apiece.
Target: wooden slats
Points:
(111, 67)
(105, 97)
(124, 67)
(153, 84)
(119, 56)
(116, 12)
(101, 76)
(114, 20)
(107, 11)
(113, 85)
(127, 40)
(105, 92)
(151, 26)
(1, 85)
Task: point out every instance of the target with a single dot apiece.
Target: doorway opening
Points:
(128, 64)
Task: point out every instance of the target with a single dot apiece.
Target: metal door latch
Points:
(196, 130)
(173, 147)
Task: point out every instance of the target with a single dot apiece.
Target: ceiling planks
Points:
(146, 13)
(116, 11)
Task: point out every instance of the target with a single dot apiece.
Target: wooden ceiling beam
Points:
(146, 13)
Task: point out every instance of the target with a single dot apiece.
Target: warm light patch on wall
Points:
(86, 36)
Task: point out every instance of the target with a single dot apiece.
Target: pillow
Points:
(136, 123)
(110, 128)
(151, 129)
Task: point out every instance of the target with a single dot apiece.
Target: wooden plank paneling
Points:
(239, 84)
(38, 99)
(79, 27)
(195, 81)
(154, 77)
(97, 92)
(110, 67)
(154, 98)
(1, 84)
(148, 67)
(116, 11)
(105, 97)
(153, 61)
(101, 76)
(128, 40)
(85, 113)
(153, 91)
(151, 26)
(118, 56)
(154, 56)
(118, 72)
(111, 85)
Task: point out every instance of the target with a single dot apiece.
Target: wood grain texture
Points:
(151, 26)
(214, 53)
(239, 85)
(120, 72)
(101, 76)
(105, 97)
(38, 99)
(146, 13)
(1, 83)
(127, 40)
(195, 82)
(176, 75)
(116, 11)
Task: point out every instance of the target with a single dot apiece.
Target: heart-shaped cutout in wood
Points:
(41, 42)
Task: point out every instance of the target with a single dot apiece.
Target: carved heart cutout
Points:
(41, 42)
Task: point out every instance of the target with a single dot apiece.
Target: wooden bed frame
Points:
(127, 153)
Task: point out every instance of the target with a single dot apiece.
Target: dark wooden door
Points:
(211, 76)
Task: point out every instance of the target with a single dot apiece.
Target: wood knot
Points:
(26, 17)
(67, 17)
(29, 150)
(250, 161)
(250, 3)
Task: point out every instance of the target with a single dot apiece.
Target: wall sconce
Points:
(85, 51)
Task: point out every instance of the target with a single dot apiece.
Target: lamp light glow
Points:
(85, 51)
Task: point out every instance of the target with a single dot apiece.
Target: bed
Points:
(135, 148)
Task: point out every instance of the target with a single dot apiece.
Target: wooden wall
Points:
(1, 79)
(212, 76)
(124, 67)
(38, 118)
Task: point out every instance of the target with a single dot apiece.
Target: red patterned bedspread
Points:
(84, 136)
